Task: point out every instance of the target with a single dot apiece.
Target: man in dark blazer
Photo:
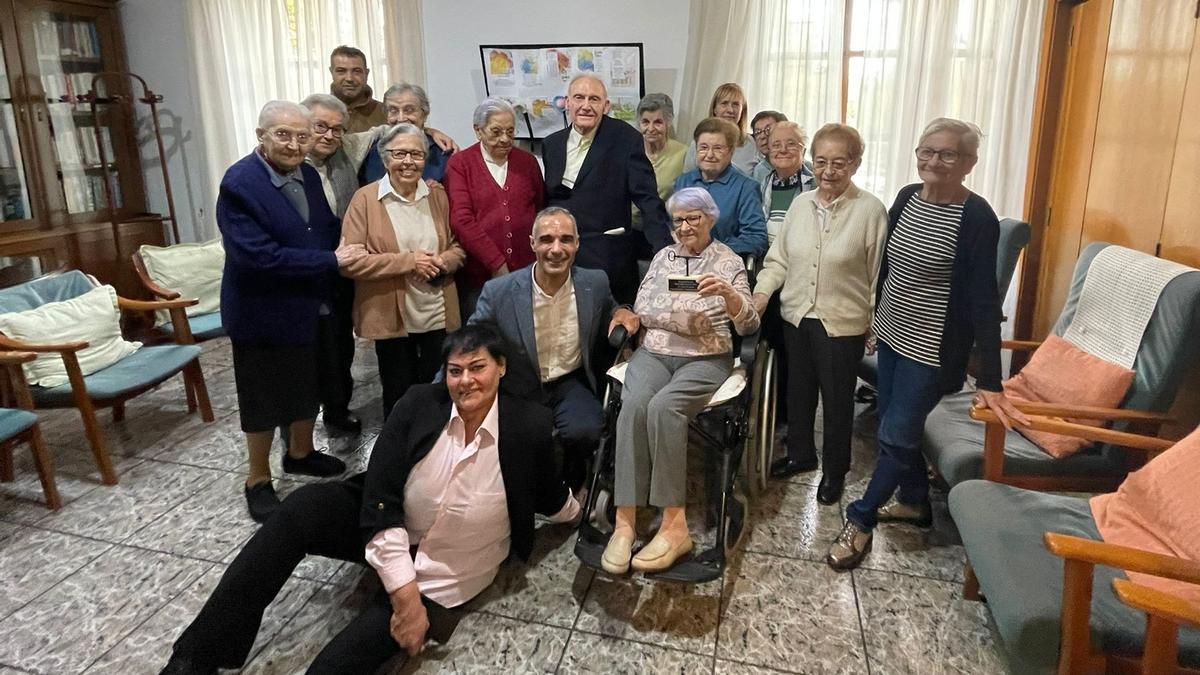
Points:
(595, 168)
(281, 248)
(555, 319)
(434, 539)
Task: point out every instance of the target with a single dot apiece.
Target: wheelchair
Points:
(737, 428)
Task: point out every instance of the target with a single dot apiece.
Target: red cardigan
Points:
(492, 223)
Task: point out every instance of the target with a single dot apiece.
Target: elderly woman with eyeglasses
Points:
(741, 225)
(937, 300)
(685, 356)
(495, 191)
(404, 294)
(789, 174)
(825, 262)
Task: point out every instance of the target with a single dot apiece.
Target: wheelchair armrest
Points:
(749, 349)
(618, 336)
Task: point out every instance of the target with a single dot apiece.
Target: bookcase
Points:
(58, 201)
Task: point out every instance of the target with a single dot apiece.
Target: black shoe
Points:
(314, 464)
(785, 467)
(830, 489)
(343, 423)
(179, 665)
(262, 502)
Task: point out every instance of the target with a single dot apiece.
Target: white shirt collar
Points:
(491, 422)
(567, 285)
(385, 189)
(487, 157)
(575, 138)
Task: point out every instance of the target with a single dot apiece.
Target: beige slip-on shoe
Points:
(616, 555)
(659, 554)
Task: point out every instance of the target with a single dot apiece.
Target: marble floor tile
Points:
(145, 493)
(679, 616)
(788, 521)
(486, 644)
(781, 613)
(146, 650)
(922, 626)
(208, 525)
(218, 445)
(8, 529)
(34, 560)
(726, 667)
(549, 589)
(587, 653)
(81, 618)
(22, 500)
(7, 670)
(327, 611)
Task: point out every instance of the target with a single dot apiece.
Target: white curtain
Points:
(909, 62)
(248, 52)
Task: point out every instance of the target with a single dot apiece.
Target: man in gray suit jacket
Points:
(555, 317)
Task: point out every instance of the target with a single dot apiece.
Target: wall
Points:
(157, 48)
(453, 32)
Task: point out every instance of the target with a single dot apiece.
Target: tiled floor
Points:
(107, 583)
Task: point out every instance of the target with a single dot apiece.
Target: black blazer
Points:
(526, 449)
(973, 315)
(615, 173)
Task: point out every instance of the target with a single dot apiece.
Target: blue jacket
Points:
(741, 226)
(276, 266)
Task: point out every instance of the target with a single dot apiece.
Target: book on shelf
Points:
(72, 39)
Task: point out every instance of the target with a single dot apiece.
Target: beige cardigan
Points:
(381, 277)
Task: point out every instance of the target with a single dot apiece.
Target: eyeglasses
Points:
(763, 132)
(837, 165)
(692, 220)
(780, 146)
(320, 129)
(284, 136)
(706, 148)
(948, 157)
(415, 155)
(397, 111)
(498, 133)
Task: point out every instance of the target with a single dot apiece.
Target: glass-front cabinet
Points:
(72, 192)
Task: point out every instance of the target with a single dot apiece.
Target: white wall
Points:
(454, 29)
(157, 48)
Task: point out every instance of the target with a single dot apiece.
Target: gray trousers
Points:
(660, 395)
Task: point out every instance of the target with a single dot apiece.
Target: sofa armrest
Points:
(65, 348)
(1020, 345)
(1089, 412)
(1094, 434)
(1130, 559)
(155, 305)
(1157, 603)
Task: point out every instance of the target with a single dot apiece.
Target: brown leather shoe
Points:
(896, 511)
(852, 545)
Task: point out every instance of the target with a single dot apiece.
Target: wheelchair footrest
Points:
(589, 545)
(696, 569)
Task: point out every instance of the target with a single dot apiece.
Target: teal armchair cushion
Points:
(49, 288)
(13, 421)
(1002, 528)
(204, 326)
(145, 367)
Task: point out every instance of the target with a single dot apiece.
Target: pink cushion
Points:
(1156, 510)
(1062, 373)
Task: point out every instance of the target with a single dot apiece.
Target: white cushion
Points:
(729, 389)
(93, 317)
(191, 270)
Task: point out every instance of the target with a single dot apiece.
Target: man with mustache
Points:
(454, 480)
(555, 318)
(596, 168)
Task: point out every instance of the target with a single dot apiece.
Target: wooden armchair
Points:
(1048, 576)
(957, 450)
(20, 425)
(204, 326)
(112, 386)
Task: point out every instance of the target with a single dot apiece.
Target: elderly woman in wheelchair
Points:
(691, 295)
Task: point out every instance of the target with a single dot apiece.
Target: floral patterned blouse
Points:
(684, 323)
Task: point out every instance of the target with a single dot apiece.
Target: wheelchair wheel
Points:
(760, 428)
(766, 413)
(605, 512)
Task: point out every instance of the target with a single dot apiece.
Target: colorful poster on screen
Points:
(533, 78)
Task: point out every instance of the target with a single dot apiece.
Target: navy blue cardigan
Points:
(277, 267)
(973, 315)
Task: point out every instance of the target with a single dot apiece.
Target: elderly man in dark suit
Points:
(281, 247)
(454, 480)
(555, 317)
(596, 168)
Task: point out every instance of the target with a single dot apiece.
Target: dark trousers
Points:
(578, 421)
(467, 299)
(824, 367)
(908, 391)
(405, 361)
(335, 350)
(317, 519)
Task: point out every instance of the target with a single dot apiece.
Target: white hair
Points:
(328, 102)
(402, 88)
(273, 110)
(490, 106)
(694, 199)
(969, 135)
(587, 76)
(404, 128)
